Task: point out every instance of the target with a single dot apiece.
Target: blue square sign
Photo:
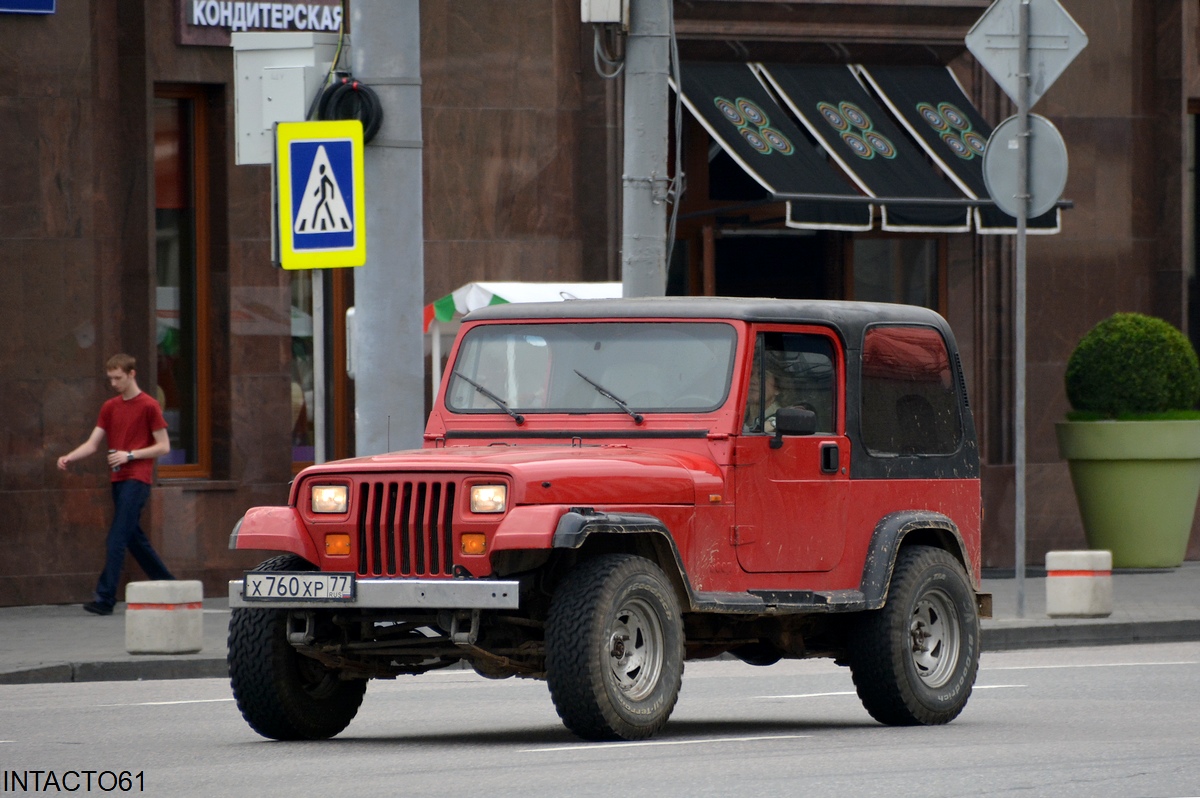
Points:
(323, 212)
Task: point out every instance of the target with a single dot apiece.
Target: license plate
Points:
(284, 586)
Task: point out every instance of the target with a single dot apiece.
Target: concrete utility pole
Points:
(644, 196)
(389, 291)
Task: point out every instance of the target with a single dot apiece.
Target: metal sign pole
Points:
(318, 331)
(1019, 302)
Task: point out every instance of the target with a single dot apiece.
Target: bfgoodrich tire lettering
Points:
(281, 693)
(914, 661)
(614, 648)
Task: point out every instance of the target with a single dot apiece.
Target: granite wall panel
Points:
(496, 54)
(449, 264)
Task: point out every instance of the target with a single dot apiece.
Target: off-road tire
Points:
(614, 648)
(914, 661)
(283, 694)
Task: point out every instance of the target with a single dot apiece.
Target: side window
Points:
(182, 300)
(909, 402)
(791, 370)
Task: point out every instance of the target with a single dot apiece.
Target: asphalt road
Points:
(1117, 721)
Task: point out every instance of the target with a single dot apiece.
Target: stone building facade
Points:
(126, 225)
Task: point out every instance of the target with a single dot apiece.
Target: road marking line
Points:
(996, 686)
(807, 695)
(170, 703)
(1086, 665)
(648, 743)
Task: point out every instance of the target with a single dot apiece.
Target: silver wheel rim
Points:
(935, 637)
(634, 649)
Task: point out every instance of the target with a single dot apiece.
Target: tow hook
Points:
(453, 622)
(301, 628)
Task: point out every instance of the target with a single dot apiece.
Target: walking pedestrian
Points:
(133, 423)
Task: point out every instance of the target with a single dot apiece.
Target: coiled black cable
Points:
(348, 98)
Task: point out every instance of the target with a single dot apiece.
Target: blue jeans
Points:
(129, 497)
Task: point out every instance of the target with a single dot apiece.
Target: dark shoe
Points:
(97, 609)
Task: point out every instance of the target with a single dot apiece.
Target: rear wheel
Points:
(614, 648)
(281, 693)
(914, 661)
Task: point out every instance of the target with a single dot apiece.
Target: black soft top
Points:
(850, 318)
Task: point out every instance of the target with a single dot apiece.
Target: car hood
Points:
(563, 474)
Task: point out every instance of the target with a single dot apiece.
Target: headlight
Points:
(488, 498)
(329, 498)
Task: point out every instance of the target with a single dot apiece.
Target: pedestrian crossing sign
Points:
(321, 220)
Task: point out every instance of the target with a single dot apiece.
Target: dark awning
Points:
(861, 136)
(934, 109)
(735, 109)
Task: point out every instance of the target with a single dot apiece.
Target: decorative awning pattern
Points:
(935, 111)
(907, 138)
(735, 109)
(872, 149)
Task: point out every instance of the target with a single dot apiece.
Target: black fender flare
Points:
(579, 523)
(886, 540)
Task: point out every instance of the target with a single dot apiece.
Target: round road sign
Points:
(1047, 165)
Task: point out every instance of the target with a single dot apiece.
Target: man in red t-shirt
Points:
(137, 435)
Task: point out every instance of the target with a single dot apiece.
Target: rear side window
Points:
(909, 403)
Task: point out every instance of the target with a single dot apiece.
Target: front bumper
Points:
(432, 594)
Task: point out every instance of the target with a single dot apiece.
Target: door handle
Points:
(830, 458)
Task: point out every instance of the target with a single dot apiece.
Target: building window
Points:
(904, 270)
(182, 269)
(338, 393)
(303, 371)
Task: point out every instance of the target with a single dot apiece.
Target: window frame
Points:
(940, 239)
(200, 166)
(757, 356)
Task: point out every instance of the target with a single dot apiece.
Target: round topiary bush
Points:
(1132, 364)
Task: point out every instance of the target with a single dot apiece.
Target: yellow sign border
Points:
(285, 134)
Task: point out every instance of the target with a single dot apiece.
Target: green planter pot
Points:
(1136, 483)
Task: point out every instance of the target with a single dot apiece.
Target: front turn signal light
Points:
(488, 498)
(474, 543)
(337, 543)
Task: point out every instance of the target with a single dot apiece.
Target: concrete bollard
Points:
(1079, 584)
(164, 617)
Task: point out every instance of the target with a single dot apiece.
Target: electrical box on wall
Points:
(277, 75)
(604, 11)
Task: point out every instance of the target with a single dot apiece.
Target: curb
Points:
(1089, 634)
(123, 671)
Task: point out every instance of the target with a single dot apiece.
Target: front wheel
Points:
(614, 648)
(281, 693)
(914, 661)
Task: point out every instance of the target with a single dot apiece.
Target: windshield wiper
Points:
(517, 417)
(607, 394)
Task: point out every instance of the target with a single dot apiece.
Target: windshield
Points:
(600, 367)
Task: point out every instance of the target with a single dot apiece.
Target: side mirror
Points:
(793, 421)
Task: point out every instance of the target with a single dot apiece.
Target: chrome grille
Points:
(405, 528)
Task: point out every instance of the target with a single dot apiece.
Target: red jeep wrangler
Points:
(610, 487)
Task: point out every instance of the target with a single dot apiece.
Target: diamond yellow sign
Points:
(321, 221)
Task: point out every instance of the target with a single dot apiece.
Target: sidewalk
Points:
(62, 643)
